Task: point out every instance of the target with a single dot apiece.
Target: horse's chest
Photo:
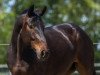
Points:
(52, 68)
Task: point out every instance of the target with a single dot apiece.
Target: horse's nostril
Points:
(44, 54)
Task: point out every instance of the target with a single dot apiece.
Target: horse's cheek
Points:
(25, 39)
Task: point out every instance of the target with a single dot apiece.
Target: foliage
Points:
(97, 56)
(85, 13)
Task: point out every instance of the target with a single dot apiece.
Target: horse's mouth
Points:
(43, 55)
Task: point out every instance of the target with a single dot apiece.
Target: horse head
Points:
(32, 32)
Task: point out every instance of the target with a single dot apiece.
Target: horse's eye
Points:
(31, 26)
(32, 38)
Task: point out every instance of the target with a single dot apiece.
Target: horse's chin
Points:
(42, 59)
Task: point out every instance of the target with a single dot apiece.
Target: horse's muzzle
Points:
(43, 55)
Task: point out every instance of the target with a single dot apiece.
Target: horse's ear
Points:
(31, 10)
(43, 11)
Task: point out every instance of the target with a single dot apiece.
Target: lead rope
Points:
(18, 48)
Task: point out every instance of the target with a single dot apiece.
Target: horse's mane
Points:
(24, 12)
(17, 27)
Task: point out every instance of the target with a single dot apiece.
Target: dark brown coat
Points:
(70, 48)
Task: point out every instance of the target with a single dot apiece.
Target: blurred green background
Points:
(85, 13)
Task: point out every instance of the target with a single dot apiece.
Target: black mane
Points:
(25, 11)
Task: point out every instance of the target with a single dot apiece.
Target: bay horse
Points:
(56, 50)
